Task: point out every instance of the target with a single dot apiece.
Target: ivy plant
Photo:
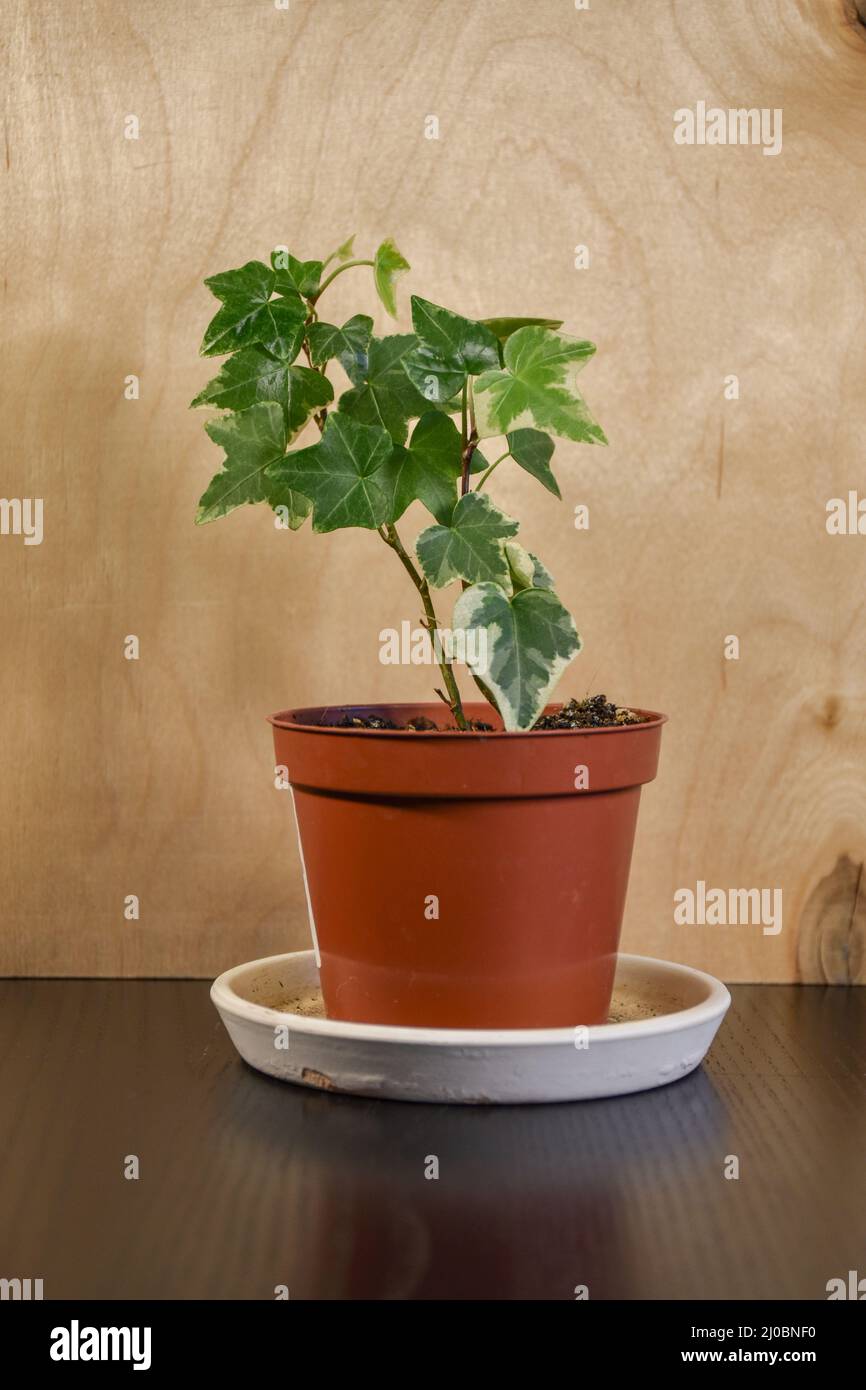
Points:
(408, 428)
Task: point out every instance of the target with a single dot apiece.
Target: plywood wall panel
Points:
(259, 126)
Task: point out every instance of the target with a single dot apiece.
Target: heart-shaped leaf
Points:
(470, 547)
(382, 393)
(450, 347)
(292, 276)
(530, 639)
(452, 335)
(438, 379)
(253, 375)
(536, 388)
(253, 440)
(430, 468)
(348, 344)
(533, 450)
(344, 474)
(388, 266)
(254, 281)
(249, 315)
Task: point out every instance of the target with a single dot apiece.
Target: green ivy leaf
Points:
(536, 388)
(249, 315)
(292, 276)
(450, 347)
(382, 393)
(342, 253)
(438, 379)
(430, 468)
(252, 281)
(253, 441)
(388, 266)
(503, 328)
(253, 375)
(527, 571)
(348, 344)
(452, 335)
(533, 450)
(345, 474)
(470, 547)
(531, 638)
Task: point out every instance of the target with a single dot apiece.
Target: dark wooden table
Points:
(246, 1184)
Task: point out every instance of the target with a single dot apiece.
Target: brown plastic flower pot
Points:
(464, 880)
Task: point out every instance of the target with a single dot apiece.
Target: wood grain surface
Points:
(246, 1183)
(259, 126)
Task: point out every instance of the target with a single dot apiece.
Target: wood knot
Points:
(832, 711)
(831, 937)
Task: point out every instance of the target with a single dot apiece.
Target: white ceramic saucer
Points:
(663, 1019)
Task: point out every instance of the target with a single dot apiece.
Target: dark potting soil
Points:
(595, 712)
(419, 725)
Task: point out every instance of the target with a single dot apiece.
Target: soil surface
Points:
(594, 712)
(420, 725)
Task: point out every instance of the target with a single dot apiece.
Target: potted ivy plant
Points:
(466, 862)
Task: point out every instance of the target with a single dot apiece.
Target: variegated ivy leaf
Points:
(292, 276)
(535, 389)
(382, 393)
(450, 347)
(346, 475)
(530, 640)
(388, 266)
(253, 375)
(253, 440)
(527, 571)
(430, 467)
(249, 315)
(503, 328)
(533, 450)
(470, 547)
(348, 344)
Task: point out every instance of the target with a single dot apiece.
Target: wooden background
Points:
(260, 126)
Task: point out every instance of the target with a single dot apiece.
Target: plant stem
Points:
(469, 436)
(390, 537)
(347, 265)
(320, 416)
(486, 475)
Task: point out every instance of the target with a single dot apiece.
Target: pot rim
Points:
(287, 719)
